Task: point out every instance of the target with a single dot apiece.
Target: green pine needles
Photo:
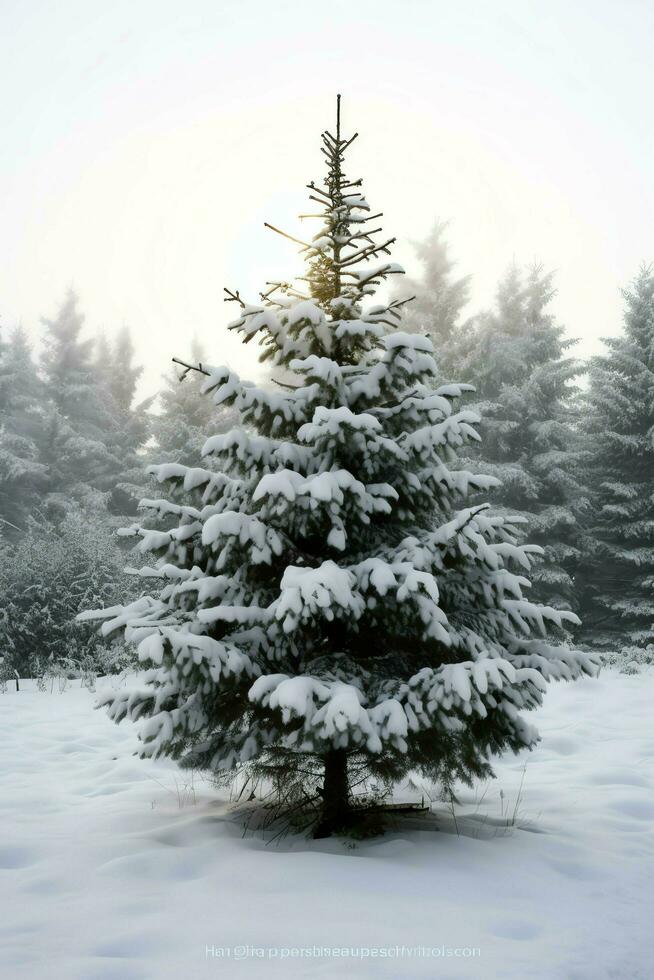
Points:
(616, 580)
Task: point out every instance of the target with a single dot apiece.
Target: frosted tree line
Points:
(572, 442)
(75, 440)
(566, 449)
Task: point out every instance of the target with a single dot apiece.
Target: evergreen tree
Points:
(440, 297)
(81, 467)
(185, 415)
(92, 436)
(22, 475)
(124, 374)
(128, 425)
(617, 577)
(516, 358)
(102, 366)
(323, 608)
(47, 576)
(67, 362)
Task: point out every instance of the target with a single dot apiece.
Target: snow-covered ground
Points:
(112, 869)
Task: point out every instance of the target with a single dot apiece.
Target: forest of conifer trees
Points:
(76, 437)
(569, 441)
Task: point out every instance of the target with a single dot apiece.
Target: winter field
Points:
(113, 868)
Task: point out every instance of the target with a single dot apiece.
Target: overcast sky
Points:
(144, 142)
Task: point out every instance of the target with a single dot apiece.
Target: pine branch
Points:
(391, 308)
(349, 142)
(285, 235)
(283, 384)
(190, 367)
(9, 524)
(271, 302)
(382, 272)
(319, 201)
(237, 326)
(401, 302)
(275, 285)
(411, 394)
(286, 287)
(366, 253)
(233, 297)
(364, 236)
(319, 190)
(471, 516)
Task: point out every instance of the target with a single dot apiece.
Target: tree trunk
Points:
(335, 794)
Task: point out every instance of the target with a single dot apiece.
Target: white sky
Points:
(144, 142)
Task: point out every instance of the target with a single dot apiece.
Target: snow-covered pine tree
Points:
(102, 361)
(22, 475)
(185, 415)
(81, 467)
(323, 606)
(129, 425)
(47, 576)
(67, 359)
(617, 576)
(440, 297)
(517, 358)
(90, 442)
(123, 372)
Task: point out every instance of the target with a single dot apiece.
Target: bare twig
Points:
(349, 142)
(366, 253)
(190, 367)
(233, 297)
(291, 238)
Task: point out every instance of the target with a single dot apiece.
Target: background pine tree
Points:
(22, 475)
(440, 297)
(81, 466)
(91, 435)
(123, 373)
(68, 441)
(47, 576)
(129, 423)
(616, 581)
(516, 356)
(185, 415)
(324, 614)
